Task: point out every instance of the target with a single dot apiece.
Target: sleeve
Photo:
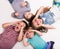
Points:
(9, 27)
(28, 6)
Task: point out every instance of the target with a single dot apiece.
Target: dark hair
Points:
(26, 24)
(32, 17)
(42, 29)
(31, 24)
(27, 29)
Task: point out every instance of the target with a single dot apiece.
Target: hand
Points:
(23, 4)
(25, 35)
(17, 14)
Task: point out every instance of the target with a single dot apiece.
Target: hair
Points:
(31, 24)
(27, 29)
(26, 24)
(42, 29)
(32, 17)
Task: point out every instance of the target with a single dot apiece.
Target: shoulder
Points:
(10, 27)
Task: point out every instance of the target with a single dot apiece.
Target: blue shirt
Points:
(37, 42)
(49, 17)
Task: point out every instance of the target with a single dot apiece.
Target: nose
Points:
(37, 21)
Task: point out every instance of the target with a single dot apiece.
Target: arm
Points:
(38, 32)
(48, 26)
(24, 41)
(5, 25)
(20, 37)
(27, 6)
(42, 10)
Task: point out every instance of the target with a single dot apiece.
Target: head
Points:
(37, 22)
(20, 24)
(28, 15)
(29, 33)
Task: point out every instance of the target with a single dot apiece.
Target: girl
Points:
(12, 33)
(37, 22)
(44, 13)
(34, 38)
(20, 7)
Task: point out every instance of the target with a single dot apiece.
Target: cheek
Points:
(29, 16)
(35, 23)
(25, 16)
(23, 25)
(40, 21)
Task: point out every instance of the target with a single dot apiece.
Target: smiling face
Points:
(29, 33)
(37, 22)
(27, 15)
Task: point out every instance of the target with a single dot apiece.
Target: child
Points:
(34, 38)
(42, 12)
(20, 7)
(37, 22)
(12, 33)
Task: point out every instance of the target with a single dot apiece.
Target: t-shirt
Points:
(49, 17)
(17, 7)
(37, 42)
(8, 38)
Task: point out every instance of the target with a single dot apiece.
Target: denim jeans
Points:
(11, 1)
(50, 44)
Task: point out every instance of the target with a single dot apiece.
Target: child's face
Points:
(37, 22)
(29, 34)
(27, 15)
(19, 25)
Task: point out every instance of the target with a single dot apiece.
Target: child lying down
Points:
(34, 39)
